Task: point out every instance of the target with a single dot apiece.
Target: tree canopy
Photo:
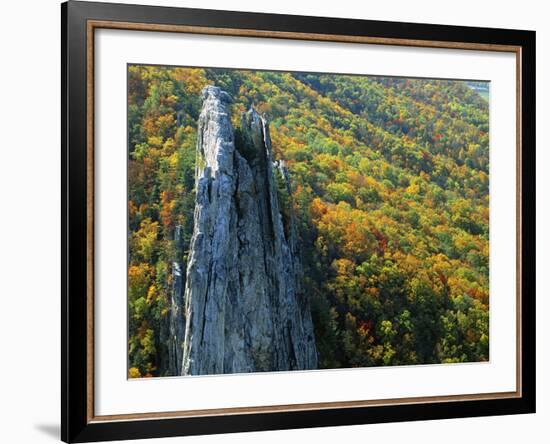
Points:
(390, 185)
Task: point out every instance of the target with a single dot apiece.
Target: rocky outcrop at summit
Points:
(244, 306)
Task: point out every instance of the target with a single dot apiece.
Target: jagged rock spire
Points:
(244, 307)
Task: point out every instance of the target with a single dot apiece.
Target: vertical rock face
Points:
(177, 320)
(244, 306)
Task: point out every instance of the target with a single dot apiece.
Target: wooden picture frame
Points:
(79, 22)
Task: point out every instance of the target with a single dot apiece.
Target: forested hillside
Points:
(390, 186)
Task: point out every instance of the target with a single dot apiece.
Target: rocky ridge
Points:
(243, 307)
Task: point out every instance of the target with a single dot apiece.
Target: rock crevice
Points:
(244, 306)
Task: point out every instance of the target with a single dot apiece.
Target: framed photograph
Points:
(275, 221)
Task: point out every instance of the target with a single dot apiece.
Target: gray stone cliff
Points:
(244, 307)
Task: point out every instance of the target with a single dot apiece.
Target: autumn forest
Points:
(389, 193)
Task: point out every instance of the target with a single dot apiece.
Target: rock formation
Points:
(244, 306)
(177, 319)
